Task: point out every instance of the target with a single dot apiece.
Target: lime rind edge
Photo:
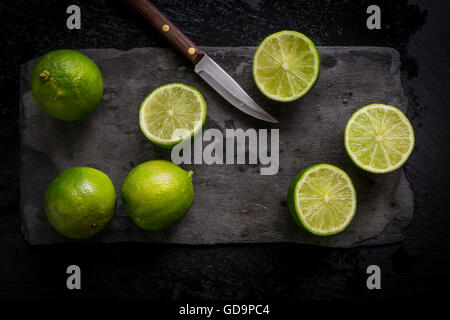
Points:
(370, 169)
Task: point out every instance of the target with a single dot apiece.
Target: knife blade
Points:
(225, 85)
(205, 67)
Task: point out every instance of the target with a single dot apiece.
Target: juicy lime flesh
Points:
(66, 85)
(286, 66)
(324, 200)
(172, 113)
(80, 202)
(157, 193)
(379, 138)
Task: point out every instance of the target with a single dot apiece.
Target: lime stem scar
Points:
(44, 76)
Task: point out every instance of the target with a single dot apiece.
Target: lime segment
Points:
(322, 199)
(172, 113)
(286, 66)
(379, 138)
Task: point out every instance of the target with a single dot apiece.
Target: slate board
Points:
(233, 203)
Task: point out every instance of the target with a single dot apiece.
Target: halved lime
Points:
(171, 114)
(322, 199)
(286, 66)
(379, 138)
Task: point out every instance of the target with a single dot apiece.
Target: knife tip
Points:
(272, 120)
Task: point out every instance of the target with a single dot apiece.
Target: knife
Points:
(205, 67)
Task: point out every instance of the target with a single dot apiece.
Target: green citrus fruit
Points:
(286, 65)
(80, 202)
(172, 113)
(66, 85)
(157, 193)
(379, 138)
(322, 199)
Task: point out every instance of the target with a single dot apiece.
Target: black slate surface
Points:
(233, 203)
(416, 268)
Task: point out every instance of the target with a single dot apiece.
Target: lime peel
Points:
(66, 85)
(80, 202)
(156, 194)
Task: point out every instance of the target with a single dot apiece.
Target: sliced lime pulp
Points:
(286, 66)
(379, 138)
(172, 113)
(322, 199)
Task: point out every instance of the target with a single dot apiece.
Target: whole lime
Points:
(66, 85)
(80, 202)
(157, 193)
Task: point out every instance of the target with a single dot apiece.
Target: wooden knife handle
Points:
(177, 38)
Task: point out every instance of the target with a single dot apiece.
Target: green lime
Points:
(322, 199)
(80, 202)
(379, 138)
(157, 193)
(66, 85)
(286, 66)
(172, 113)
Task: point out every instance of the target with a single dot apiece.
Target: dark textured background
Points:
(417, 267)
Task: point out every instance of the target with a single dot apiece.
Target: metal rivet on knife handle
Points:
(177, 38)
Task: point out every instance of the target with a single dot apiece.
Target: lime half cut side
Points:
(322, 199)
(172, 113)
(286, 66)
(379, 138)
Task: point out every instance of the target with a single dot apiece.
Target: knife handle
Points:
(176, 38)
